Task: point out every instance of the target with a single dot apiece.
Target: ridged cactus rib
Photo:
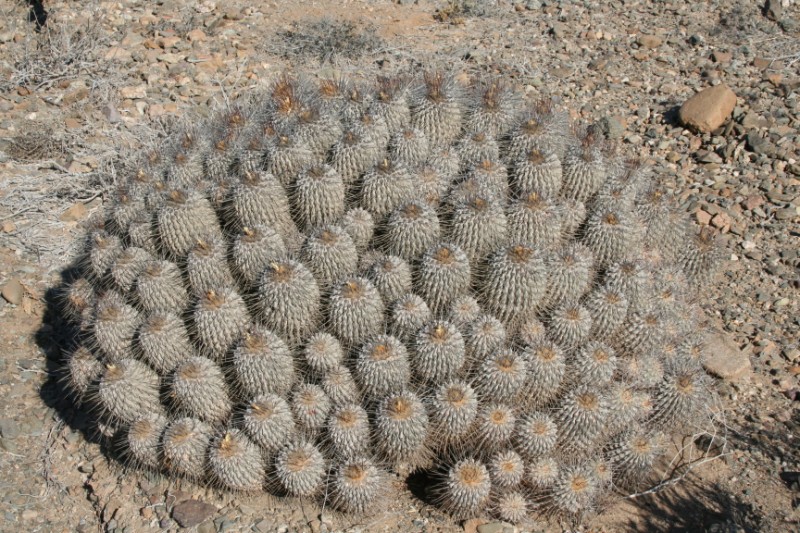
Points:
(198, 388)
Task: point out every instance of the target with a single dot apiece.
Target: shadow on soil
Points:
(694, 506)
(56, 337)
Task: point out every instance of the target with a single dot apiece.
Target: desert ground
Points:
(86, 84)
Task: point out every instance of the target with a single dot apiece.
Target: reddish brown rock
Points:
(703, 218)
(708, 109)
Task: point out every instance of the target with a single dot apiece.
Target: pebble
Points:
(724, 359)
(196, 35)
(134, 92)
(471, 525)
(559, 30)
(263, 526)
(8, 445)
(111, 114)
(74, 213)
(493, 527)
(76, 95)
(702, 218)
(207, 527)
(13, 291)
(650, 41)
(787, 213)
(759, 145)
(721, 57)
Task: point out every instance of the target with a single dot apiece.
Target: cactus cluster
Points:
(335, 281)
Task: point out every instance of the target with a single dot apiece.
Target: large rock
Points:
(190, 513)
(708, 109)
(724, 359)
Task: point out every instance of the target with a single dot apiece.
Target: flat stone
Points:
(75, 212)
(721, 220)
(13, 291)
(111, 113)
(759, 145)
(753, 120)
(190, 513)
(787, 213)
(721, 57)
(708, 109)
(724, 359)
(753, 201)
(761, 63)
(9, 429)
(207, 527)
(471, 525)
(492, 527)
(134, 92)
(650, 41)
(196, 35)
(118, 53)
(559, 30)
(612, 127)
(703, 218)
(170, 58)
(76, 95)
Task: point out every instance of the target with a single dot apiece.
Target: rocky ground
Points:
(94, 80)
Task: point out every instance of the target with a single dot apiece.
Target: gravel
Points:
(630, 65)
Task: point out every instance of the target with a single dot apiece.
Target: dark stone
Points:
(792, 480)
(758, 145)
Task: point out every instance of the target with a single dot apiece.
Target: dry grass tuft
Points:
(57, 52)
(37, 141)
(326, 40)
